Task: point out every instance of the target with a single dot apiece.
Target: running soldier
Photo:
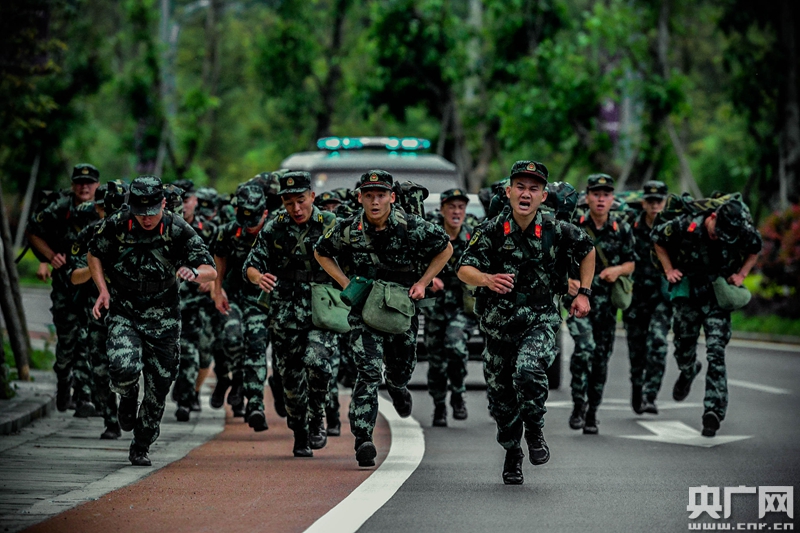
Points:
(520, 260)
(142, 251)
(403, 252)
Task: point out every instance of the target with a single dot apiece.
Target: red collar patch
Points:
(692, 227)
(506, 227)
(538, 231)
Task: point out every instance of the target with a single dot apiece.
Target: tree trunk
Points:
(26, 202)
(11, 300)
(328, 90)
(789, 149)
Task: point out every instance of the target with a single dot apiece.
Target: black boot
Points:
(649, 406)
(512, 467)
(276, 387)
(538, 451)
(317, 436)
(63, 394)
(128, 408)
(710, 423)
(258, 421)
(138, 456)
(196, 407)
(239, 410)
(440, 415)
(112, 432)
(590, 427)
(459, 406)
(636, 399)
(220, 389)
(334, 424)
(183, 413)
(236, 395)
(684, 385)
(366, 453)
(401, 399)
(84, 408)
(578, 417)
(301, 447)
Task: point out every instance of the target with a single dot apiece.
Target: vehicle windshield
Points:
(435, 183)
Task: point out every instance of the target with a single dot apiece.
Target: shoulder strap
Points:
(598, 249)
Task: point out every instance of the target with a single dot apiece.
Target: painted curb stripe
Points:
(405, 454)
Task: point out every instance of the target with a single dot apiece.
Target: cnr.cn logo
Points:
(708, 500)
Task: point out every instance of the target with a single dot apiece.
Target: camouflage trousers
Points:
(304, 362)
(516, 378)
(446, 344)
(255, 326)
(372, 350)
(72, 357)
(594, 342)
(716, 323)
(647, 323)
(222, 339)
(191, 328)
(104, 398)
(332, 407)
(149, 345)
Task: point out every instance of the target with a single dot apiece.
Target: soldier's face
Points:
(330, 206)
(453, 213)
(189, 205)
(377, 204)
(149, 222)
(299, 206)
(599, 201)
(526, 195)
(653, 206)
(84, 190)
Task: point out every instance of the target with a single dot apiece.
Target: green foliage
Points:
(39, 359)
(780, 257)
(769, 324)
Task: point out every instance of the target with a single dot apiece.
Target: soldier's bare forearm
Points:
(333, 269)
(41, 246)
(80, 276)
(749, 263)
(436, 265)
(222, 268)
(472, 276)
(663, 257)
(587, 269)
(98, 275)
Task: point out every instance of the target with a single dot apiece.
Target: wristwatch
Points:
(195, 271)
(586, 292)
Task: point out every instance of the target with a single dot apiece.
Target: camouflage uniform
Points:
(58, 225)
(399, 253)
(520, 326)
(303, 352)
(144, 315)
(702, 260)
(649, 318)
(447, 325)
(246, 322)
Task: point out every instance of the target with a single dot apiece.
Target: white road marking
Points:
(675, 432)
(625, 405)
(757, 386)
(405, 454)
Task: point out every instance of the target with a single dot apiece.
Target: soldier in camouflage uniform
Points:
(97, 333)
(237, 300)
(648, 319)
(519, 260)
(196, 309)
(52, 232)
(282, 264)
(141, 252)
(447, 324)
(382, 242)
(594, 334)
(697, 249)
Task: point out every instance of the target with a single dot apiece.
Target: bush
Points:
(780, 257)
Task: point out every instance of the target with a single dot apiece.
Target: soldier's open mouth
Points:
(524, 205)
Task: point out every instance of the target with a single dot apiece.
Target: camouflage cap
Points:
(531, 169)
(115, 196)
(186, 185)
(145, 196)
(327, 198)
(600, 182)
(100, 194)
(376, 179)
(654, 189)
(453, 194)
(206, 201)
(295, 183)
(85, 173)
(268, 181)
(250, 204)
(731, 221)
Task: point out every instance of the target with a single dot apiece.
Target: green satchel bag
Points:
(679, 290)
(388, 308)
(622, 292)
(730, 297)
(356, 292)
(327, 309)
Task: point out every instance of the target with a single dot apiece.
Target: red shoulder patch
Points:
(692, 227)
(199, 225)
(583, 217)
(238, 232)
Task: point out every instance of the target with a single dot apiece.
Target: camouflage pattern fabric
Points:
(404, 251)
(520, 327)
(255, 326)
(144, 325)
(702, 260)
(648, 319)
(59, 224)
(589, 362)
(447, 329)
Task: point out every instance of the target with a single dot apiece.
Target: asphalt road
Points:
(608, 482)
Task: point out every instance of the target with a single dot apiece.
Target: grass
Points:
(39, 359)
(771, 324)
(27, 271)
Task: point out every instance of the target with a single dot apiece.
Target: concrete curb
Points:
(34, 400)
